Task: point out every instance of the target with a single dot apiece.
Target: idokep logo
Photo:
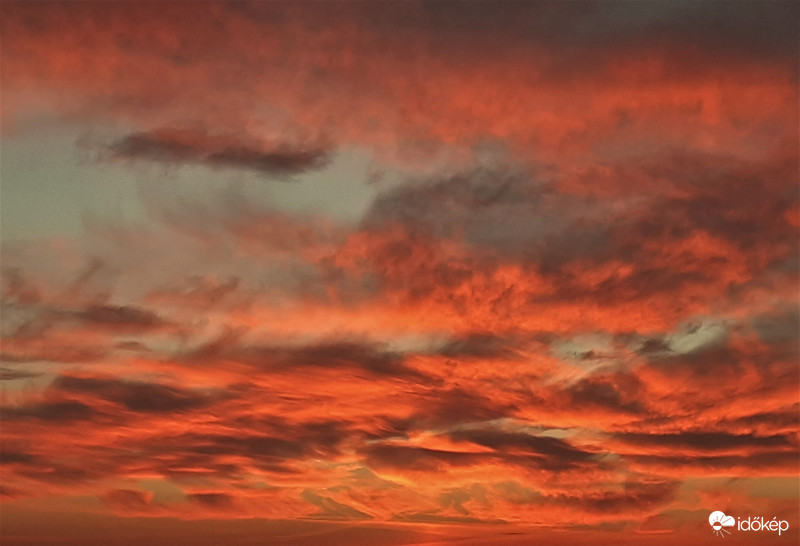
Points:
(720, 522)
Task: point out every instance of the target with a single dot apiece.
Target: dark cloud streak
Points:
(189, 147)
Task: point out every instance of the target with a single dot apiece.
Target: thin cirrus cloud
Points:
(566, 315)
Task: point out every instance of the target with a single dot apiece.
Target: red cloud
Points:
(568, 337)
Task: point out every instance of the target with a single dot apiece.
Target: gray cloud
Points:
(119, 316)
(194, 147)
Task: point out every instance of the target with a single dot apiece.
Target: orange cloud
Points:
(564, 320)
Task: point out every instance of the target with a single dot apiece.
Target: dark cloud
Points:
(509, 216)
(718, 29)
(546, 451)
(320, 437)
(186, 467)
(594, 29)
(622, 392)
(187, 456)
(510, 212)
(344, 355)
(445, 407)
(122, 317)
(512, 216)
(721, 360)
(418, 458)
(324, 436)
(138, 396)
(783, 325)
(251, 446)
(740, 200)
(709, 441)
(213, 500)
(184, 147)
(480, 345)
(47, 333)
(13, 457)
(63, 411)
(57, 472)
(654, 346)
(787, 419)
(330, 355)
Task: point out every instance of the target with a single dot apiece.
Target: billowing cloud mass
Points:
(567, 313)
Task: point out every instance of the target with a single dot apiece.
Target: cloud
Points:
(433, 517)
(535, 63)
(137, 395)
(127, 499)
(633, 497)
(451, 405)
(564, 309)
(417, 458)
(760, 464)
(760, 422)
(122, 318)
(330, 509)
(12, 457)
(708, 441)
(480, 345)
(549, 452)
(325, 354)
(213, 500)
(180, 146)
(66, 411)
(618, 392)
(253, 446)
(515, 493)
(12, 374)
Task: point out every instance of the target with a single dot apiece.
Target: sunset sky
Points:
(398, 273)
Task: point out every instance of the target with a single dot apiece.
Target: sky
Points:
(399, 273)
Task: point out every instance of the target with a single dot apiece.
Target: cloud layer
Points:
(572, 314)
